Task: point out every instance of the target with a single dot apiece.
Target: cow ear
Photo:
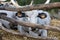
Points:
(3, 14)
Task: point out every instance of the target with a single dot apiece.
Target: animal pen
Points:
(16, 7)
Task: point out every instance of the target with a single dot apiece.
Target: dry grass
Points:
(8, 36)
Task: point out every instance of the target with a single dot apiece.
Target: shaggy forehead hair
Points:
(32, 13)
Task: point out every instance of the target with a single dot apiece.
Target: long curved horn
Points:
(47, 2)
(32, 2)
(14, 2)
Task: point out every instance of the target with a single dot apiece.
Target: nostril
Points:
(33, 29)
(27, 31)
(39, 35)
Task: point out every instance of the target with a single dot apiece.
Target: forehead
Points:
(31, 13)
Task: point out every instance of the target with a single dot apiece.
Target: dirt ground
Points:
(8, 36)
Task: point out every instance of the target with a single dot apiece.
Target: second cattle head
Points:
(34, 15)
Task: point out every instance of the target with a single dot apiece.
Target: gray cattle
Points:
(33, 18)
(9, 14)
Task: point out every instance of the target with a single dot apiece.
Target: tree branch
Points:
(34, 7)
(28, 24)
